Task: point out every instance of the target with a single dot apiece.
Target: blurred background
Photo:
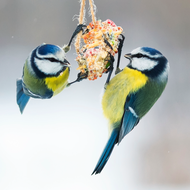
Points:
(56, 143)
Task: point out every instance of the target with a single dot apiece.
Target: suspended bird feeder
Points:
(100, 42)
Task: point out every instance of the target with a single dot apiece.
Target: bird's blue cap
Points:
(48, 48)
(151, 51)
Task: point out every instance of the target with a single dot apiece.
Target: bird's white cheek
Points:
(48, 67)
(143, 64)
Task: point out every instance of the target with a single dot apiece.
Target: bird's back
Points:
(148, 95)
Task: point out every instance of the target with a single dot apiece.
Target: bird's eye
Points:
(52, 59)
(139, 55)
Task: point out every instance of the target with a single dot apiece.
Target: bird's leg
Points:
(80, 77)
(77, 30)
(110, 70)
(108, 44)
(121, 41)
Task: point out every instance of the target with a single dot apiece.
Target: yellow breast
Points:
(57, 84)
(124, 83)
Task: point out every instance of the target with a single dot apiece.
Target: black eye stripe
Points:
(52, 59)
(139, 55)
(46, 58)
(158, 68)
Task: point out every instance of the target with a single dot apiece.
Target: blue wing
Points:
(22, 98)
(130, 118)
(107, 151)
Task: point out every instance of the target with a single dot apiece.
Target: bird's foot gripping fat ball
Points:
(100, 43)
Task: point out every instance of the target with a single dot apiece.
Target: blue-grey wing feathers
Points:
(107, 151)
(22, 98)
(129, 122)
(130, 118)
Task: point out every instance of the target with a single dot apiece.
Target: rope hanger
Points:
(101, 43)
(81, 20)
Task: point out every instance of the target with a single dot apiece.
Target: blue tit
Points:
(130, 95)
(45, 74)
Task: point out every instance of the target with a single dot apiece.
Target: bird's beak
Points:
(66, 63)
(128, 56)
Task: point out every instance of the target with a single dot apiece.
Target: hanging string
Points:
(91, 2)
(81, 19)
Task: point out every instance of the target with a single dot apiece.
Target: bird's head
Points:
(48, 60)
(148, 61)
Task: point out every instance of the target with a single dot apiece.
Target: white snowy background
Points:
(56, 143)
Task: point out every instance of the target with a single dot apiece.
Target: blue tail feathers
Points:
(107, 151)
(22, 99)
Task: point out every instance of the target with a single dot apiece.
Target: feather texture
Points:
(130, 118)
(107, 151)
(22, 98)
(131, 94)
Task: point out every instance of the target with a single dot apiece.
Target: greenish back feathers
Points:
(35, 85)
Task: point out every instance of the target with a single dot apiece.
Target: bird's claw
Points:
(77, 30)
(105, 85)
(112, 59)
(122, 38)
(80, 28)
(80, 77)
(118, 70)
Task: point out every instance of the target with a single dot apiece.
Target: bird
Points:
(130, 94)
(45, 74)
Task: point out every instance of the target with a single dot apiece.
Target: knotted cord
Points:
(81, 20)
